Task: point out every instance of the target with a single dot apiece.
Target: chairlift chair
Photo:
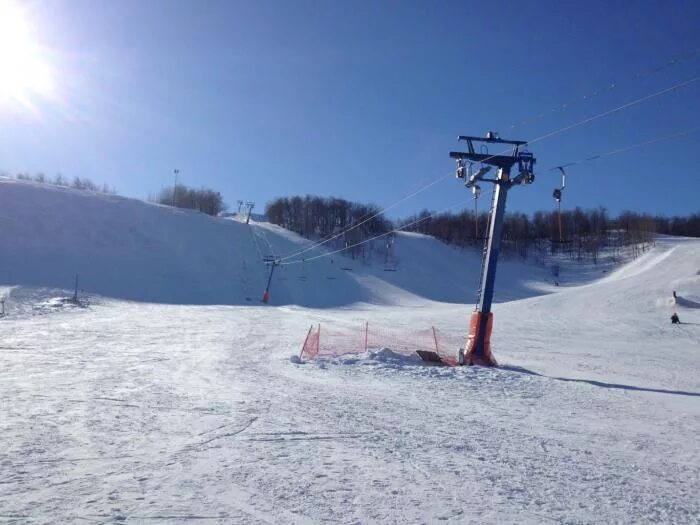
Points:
(526, 161)
(464, 171)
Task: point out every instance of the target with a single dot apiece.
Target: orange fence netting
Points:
(322, 341)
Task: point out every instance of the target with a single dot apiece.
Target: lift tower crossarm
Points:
(500, 161)
(492, 140)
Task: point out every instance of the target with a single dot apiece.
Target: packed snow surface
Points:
(149, 411)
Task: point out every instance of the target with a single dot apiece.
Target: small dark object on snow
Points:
(431, 357)
(674, 319)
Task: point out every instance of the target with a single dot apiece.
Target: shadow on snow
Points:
(602, 384)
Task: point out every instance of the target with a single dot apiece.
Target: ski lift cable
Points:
(257, 246)
(615, 110)
(625, 149)
(674, 60)
(533, 141)
(601, 155)
(376, 236)
(320, 243)
(395, 230)
(538, 139)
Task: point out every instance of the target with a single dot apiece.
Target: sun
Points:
(24, 71)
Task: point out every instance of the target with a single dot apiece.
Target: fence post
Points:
(366, 333)
(319, 339)
(305, 341)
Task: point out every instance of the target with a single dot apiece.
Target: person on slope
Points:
(674, 318)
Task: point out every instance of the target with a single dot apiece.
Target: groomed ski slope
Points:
(129, 249)
(137, 412)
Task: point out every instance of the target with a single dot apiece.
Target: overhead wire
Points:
(537, 139)
(615, 110)
(395, 230)
(561, 130)
(625, 148)
(674, 60)
(533, 141)
(321, 243)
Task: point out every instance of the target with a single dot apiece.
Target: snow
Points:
(129, 249)
(170, 398)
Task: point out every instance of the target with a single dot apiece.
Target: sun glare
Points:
(24, 72)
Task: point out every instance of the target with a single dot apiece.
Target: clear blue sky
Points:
(361, 99)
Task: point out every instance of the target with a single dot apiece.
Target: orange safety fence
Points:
(322, 341)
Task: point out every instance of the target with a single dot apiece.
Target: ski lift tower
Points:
(478, 347)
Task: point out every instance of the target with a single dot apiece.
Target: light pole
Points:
(177, 172)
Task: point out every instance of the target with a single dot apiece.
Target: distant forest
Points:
(583, 232)
(205, 200)
(323, 217)
(59, 180)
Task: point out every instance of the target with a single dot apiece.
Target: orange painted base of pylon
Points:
(266, 297)
(485, 359)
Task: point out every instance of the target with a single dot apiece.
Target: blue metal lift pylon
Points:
(272, 261)
(478, 346)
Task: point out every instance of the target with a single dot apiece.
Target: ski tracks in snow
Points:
(103, 430)
(132, 412)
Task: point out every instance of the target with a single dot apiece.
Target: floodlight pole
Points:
(478, 348)
(176, 172)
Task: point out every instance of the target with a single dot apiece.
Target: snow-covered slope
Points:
(612, 319)
(126, 248)
(169, 413)
(120, 247)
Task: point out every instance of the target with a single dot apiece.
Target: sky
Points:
(360, 99)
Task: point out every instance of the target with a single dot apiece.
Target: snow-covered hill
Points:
(130, 249)
(137, 412)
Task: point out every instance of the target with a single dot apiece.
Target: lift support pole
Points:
(272, 261)
(480, 353)
(493, 247)
(478, 348)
